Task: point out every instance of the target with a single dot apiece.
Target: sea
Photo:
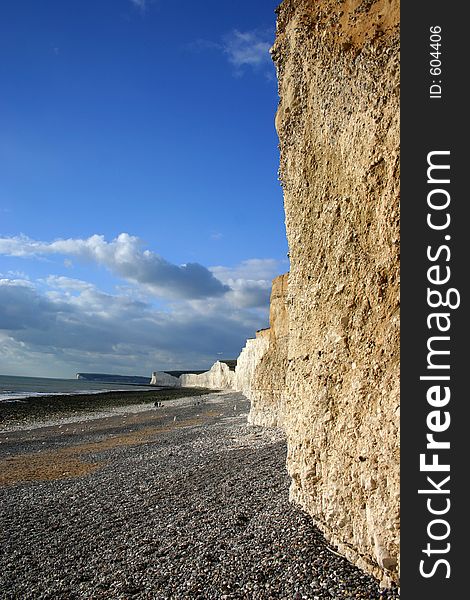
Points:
(14, 388)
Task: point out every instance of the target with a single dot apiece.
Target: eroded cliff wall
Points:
(269, 378)
(219, 377)
(338, 126)
(247, 362)
(164, 379)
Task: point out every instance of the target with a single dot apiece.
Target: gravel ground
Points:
(183, 501)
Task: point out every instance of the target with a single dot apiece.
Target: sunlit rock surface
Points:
(164, 379)
(219, 377)
(338, 398)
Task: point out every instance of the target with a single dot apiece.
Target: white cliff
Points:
(219, 377)
(164, 379)
(248, 360)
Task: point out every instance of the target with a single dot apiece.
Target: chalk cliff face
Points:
(269, 379)
(164, 379)
(248, 361)
(219, 377)
(338, 126)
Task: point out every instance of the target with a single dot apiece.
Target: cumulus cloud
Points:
(125, 258)
(68, 324)
(82, 327)
(68, 283)
(249, 282)
(252, 269)
(21, 307)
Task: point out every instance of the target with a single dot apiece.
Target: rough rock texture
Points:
(268, 385)
(164, 379)
(338, 126)
(248, 360)
(219, 377)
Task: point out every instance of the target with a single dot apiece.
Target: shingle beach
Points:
(181, 501)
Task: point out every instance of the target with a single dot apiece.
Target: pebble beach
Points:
(141, 502)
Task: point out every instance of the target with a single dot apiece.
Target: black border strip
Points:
(433, 120)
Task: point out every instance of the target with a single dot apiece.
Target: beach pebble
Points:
(197, 510)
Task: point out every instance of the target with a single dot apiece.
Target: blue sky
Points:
(141, 218)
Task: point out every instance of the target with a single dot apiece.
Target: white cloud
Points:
(21, 308)
(74, 326)
(67, 283)
(124, 257)
(89, 328)
(249, 48)
(253, 269)
(249, 282)
(13, 274)
(243, 49)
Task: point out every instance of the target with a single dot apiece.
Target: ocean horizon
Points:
(15, 387)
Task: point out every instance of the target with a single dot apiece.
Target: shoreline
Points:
(30, 395)
(119, 414)
(36, 410)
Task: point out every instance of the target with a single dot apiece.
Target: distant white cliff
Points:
(235, 375)
(219, 377)
(164, 379)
